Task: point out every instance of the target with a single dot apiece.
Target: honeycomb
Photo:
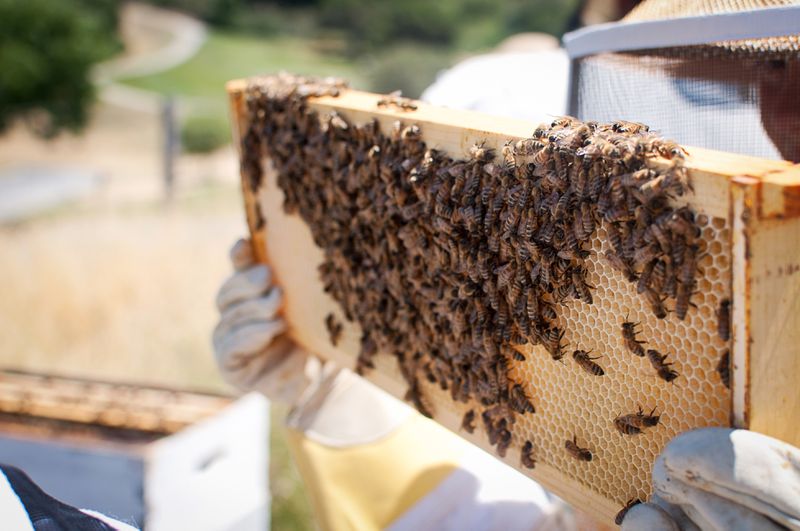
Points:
(347, 184)
(570, 402)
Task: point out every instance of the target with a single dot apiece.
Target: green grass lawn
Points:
(199, 84)
(227, 56)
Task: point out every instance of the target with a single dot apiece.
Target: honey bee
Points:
(581, 454)
(546, 233)
(615, 237)
(430, 160)
(335, 120)
(683, 300)
(640, 420)
(621, 126)
(415, 396)
(481, 153)
(608, 149)
(540, 131)
(507, 153)
(616, 191)
(689, 265)
(583, 226)
(395, 99)
(505, 274)
(552, 342)
(468, 422)
(518, 400)
(564, 121)
(682, 222)
(548, 312)
(657, 360)
(668, 150)
(503, 442)
(334, 328)
(629, 333)
(581, 287)
(645, 254)
(618, 263)
(587, 363)
(645, 276)
(411, 132)
(654, 186)
(516, 354)
(543, 156)
(526, 455)
(724, 319)
(575, 137)
(659, 275)
(656, 303)
(624, 511)
(724, 368)
(624, 425)
(532, 307)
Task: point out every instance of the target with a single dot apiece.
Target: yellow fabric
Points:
(368, 486)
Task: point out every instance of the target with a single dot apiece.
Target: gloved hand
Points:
(722, 479)
(251, 349)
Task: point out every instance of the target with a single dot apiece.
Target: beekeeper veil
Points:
(718, 74)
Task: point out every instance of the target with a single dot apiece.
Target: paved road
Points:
(27, 191)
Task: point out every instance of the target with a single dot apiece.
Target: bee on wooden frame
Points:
(724, 369)
(664, 370)
(468, 422)
(395, 99)
(629, 334)
(526, 455)
(579, 453)
(724, 319)
(624, 425)
(334, 328)
(519, 401)
(587, 363)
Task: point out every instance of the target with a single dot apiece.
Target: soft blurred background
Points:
(119, 191)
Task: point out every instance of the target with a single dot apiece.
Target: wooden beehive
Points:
(748, 212)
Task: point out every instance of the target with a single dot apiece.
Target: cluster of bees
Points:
(451, 265)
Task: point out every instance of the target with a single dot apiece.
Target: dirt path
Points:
(155, 40)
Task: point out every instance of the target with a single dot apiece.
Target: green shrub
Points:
(203, 134)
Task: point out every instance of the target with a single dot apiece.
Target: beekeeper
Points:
(370, 462)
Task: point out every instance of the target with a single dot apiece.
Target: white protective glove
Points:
(251, 350)
(722, 479)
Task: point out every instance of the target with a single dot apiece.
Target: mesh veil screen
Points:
(711, 97)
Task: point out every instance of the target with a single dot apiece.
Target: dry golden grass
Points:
(120, 297)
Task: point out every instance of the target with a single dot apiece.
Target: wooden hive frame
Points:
(760, 200)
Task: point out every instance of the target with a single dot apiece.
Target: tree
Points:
(47, 50)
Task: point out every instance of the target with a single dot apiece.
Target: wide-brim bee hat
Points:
(721, 74)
